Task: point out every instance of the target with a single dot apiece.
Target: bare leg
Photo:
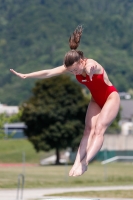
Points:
(105, 118)
(90, 122)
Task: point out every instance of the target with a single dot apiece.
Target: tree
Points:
(55, 114)
(4, 118)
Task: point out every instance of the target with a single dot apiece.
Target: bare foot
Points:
(80, 170)
(74, 167)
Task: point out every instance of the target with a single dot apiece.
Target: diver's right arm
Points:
(42, 74)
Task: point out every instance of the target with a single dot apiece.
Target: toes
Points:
(80, 171)
(71, 172)
(77, 174)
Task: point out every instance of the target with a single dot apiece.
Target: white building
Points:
(9, 110)
(127, 128)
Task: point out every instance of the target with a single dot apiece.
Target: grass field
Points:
(57, 176)
(98, 194)
(11, 151)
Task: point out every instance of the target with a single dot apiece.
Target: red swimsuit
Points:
(98, 88)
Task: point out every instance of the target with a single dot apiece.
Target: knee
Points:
(89, 130)
(100, 129)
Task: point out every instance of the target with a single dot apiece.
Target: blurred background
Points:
(34, 36)
(42, 121)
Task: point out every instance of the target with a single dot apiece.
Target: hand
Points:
(23, 76)
(92, 71)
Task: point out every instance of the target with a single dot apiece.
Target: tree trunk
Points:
(57, 156)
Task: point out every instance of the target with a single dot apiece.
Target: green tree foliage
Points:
(55, 114)
(34, 36)
(4, 118)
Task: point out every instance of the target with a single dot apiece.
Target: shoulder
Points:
(97, 68)
(62, 68)
(91, 62)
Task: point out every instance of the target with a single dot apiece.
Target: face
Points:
(76, 68)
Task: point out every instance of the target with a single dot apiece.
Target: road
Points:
(42, 194)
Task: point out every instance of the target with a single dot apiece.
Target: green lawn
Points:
(98, 194)
(11, 151)
(57, 176)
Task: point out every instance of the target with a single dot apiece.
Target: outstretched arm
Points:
(42, 74)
